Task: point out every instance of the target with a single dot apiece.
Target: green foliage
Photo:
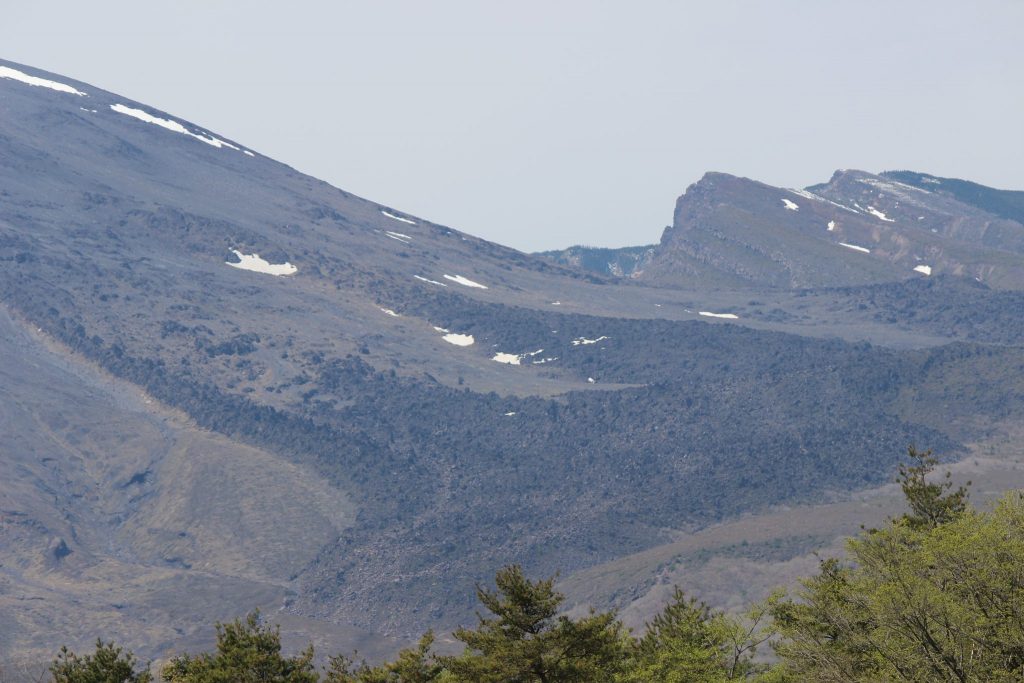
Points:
(413, 665)
(526, 640)
(247, 652)
(687, 642)
(918, 602)
(931, 504)
(108, 664)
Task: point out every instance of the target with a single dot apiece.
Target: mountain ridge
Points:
(772, 244)
(446, 405)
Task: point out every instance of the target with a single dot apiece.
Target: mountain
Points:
(1008, 204)
(621, 262)
(227, 384)
(857, 229)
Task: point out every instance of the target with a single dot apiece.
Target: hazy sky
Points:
(544, 124)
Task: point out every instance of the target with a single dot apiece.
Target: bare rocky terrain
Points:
(226, 384)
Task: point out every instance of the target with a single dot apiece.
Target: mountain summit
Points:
(857, 229)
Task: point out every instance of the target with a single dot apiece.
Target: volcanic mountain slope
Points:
(856, 229)
(350, 414)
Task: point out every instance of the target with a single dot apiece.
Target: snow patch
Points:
(390, 312)
(513, 359)
(510, 414)
(254, 263)
(464, 281)
(805, 194)
(459, 339)
(556, 303)
(893, 186)
(818, 198)
(727, 316)
(926, 270)
(583, 341)
(169, 124)
(591, 380)
(404, 239)
(831, 226)
(855, 247)
(15, 75)
(248, 153)
(397, 218)
(91, 111)
(433, 282)
(790, 205)
(879, 215)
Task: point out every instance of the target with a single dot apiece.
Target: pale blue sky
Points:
(544, 124)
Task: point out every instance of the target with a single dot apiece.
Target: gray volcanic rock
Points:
(856, 229)
(227, 384)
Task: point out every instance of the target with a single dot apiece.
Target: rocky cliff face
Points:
(857, 229)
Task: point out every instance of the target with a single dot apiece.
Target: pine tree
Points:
(413, 665)
(931, 504)
(108, 664)
(527, 641)
(247, 652)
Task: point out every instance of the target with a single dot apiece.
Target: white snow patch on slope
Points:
(855, 247)
(254, 263)
(893, 186)
(459, 339)
(390, 312)
(464, 281)
(404, 239)
(91, 111)
(15, 75)
(169, 124)
(805, 194)
(831, 226)
(583, 341)
(397, 218)
(927, 270)
(881, 216)
(513, 359)
(727, 316)
(510, 414)
(248, 153)
(818, 198)
(433, 282)
(790, 205)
